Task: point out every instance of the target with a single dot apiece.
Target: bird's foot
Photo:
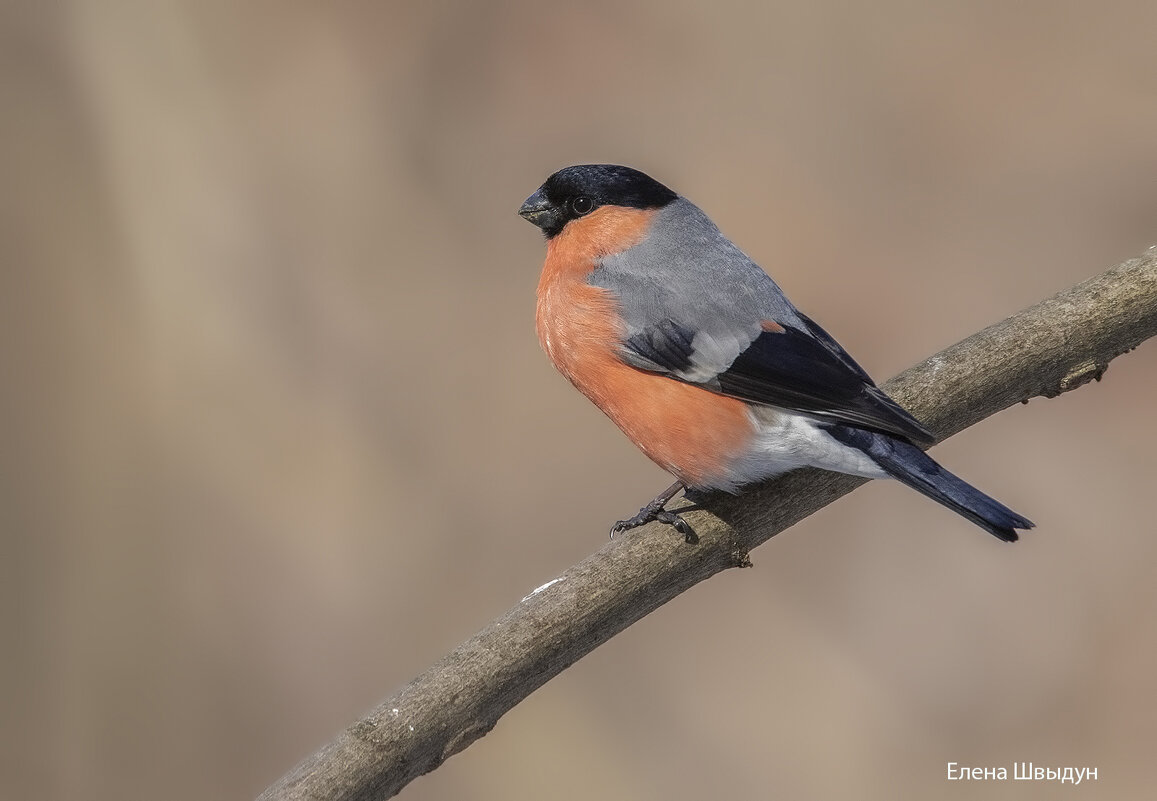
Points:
(654, 511)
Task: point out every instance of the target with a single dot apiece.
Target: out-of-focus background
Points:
(277, 434)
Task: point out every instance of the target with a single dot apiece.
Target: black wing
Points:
(805, 371)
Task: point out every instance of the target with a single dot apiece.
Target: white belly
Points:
(785, 440)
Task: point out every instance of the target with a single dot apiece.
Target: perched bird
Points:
(702, 361)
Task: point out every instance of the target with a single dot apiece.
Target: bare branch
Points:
(1055, 346)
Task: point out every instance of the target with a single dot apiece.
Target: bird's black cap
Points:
(574, 192)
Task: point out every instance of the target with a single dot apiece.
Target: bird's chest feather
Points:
(579, 328)
(580, 325)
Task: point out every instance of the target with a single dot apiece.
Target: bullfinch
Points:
(702, 361)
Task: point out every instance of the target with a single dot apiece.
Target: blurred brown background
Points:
(276, 431)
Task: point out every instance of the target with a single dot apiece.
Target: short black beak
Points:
(539, 211)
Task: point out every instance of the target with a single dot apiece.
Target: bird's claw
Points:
(658, 514)
(679, 524)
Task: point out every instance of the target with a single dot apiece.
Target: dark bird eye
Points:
(581, 205)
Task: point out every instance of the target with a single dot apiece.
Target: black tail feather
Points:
(911, 466)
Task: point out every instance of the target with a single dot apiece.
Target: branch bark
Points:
(1050, 348)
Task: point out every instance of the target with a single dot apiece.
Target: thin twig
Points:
(1055, 346)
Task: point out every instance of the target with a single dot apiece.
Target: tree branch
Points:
(1055, 346)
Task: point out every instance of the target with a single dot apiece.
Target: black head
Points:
(575, 192)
